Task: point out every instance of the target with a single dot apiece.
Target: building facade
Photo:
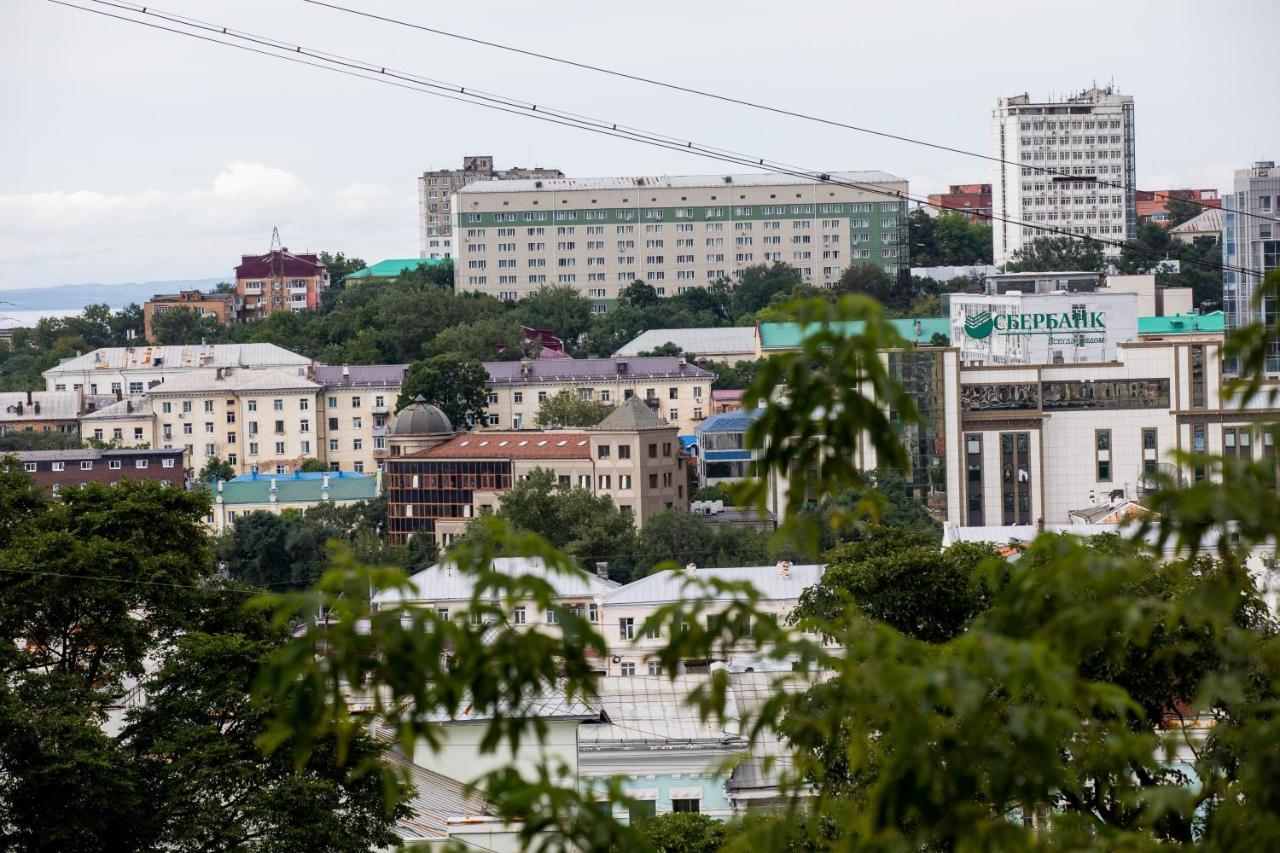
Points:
(599, 235)
(54, 470)
(279, 281)
(135, 370)
(255, 420)
(1065, 166)
(435, 197)
(1251, 244)
(125, 422)
(220, 306)
(678, 391)
(973, 200)
(358, 403)
(45, 411)
(632, 456)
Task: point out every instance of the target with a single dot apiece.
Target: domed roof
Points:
(421, 418)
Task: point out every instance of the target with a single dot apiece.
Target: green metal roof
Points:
(291, 490)
(393, 267)
(1182, 324)
(775, 336)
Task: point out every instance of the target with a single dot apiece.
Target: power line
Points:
(730, 99)
(501, 103)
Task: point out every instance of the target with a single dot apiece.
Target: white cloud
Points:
(85, 235)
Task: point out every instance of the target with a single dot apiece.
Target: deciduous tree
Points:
(457, 386)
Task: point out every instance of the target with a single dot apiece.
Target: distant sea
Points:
(25, 306)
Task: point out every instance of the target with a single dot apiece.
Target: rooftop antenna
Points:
(275, 260)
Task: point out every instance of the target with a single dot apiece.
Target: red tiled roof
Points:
(263, 266)
(512, 445)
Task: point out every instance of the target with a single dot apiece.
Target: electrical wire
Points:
(730, 99)
(541, 112)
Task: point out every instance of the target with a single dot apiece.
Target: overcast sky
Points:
(130, 154)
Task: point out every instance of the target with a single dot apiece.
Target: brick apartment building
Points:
(53, 470)
(973, 200)
(219, 306)
(279, 281)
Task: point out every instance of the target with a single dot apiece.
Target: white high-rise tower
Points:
(1085, 143)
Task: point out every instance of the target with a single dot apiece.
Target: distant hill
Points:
(68, 297)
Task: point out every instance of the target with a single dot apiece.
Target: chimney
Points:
(602, 571)
(128, 407)
(35, 407)
(346, 373)
(324, 482)
(119, 395)
(784, 570)
(28, 396)
(691, 568)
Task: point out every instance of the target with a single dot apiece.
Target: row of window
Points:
(658, 213)
(112, 465)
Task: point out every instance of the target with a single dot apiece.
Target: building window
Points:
(1102, 454)
(624, 451)
(517, 616)
(605, 482)
(30, 466)
(641, 809)
(140, 463)
(627, 628)
(166, 463)
(655, 668)
(602, 452)
(1198, 446)
(973, 479)
(57, 466)
(627, 670)
(684, 805)
(114, 464)
(1150, 455)
(624, 481)
(1197, 376)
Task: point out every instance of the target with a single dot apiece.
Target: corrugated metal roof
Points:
(1208, 221)
(435, 800)
(736, 339)
(291, 490)
(760, 179)
(193, 357)
(51, 405)
(679, 585)
(129, 407)
(444, 582)
(236, 380)
(633, 415)
(792, 335)
(655, 710)
(89, 454)
(736, 421)
(1182, 324)
(548, 703)
(338, 376)
(587, 369)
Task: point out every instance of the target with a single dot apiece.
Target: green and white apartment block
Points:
(674, 232)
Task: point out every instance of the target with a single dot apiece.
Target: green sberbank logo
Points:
(979, 325)
(1072, 323)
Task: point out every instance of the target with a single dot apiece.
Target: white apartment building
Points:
(358, 402)
(134, 370)
(1076, 160)
(257, 420)
(674, 232)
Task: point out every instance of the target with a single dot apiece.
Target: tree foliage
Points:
(682, 833)
(966, 702)
(948, 239)
(457, 386)
(1044, 254)
(567, 409)
(182, 325)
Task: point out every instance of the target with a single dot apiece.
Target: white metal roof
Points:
(654, 710)
(130, 407)
(53, 405)
(548, 703)
(761, 179)
(235, 380)
(738, 339)
(444, 582)
(191, 357)
(680, 585)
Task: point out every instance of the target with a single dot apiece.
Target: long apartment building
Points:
(1086, 143)
(435, 197)
(134, 370)
(674, 232)
(677, 391)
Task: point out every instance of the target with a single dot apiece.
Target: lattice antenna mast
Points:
(276, 264)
